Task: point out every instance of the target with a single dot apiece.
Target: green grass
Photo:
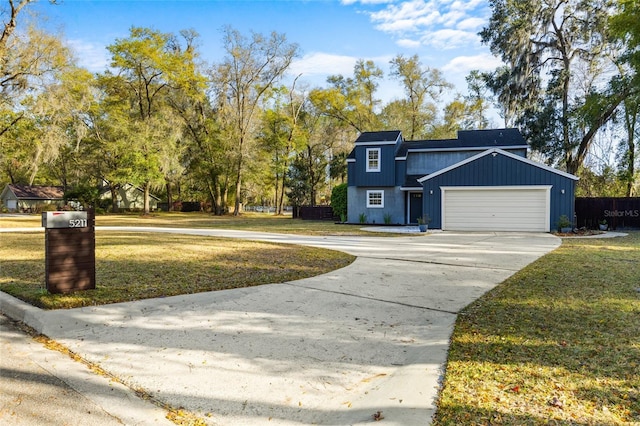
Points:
(262, 222)
(557, 343)
(131, 266)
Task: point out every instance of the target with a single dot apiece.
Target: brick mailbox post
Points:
(70, 251)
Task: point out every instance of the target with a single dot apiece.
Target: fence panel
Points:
(316, 213)
(620, 213)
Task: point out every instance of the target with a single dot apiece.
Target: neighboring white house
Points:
(30, 198)
(130, 197)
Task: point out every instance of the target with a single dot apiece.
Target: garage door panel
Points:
(522, 209)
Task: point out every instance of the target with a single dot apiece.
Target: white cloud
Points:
(464, 64)
(325, 64)
(443, 24)
(316, 67)
(408, 16)
(473, 24)
(450, 39)
(408, 43)
(350, 2)
(90, 55)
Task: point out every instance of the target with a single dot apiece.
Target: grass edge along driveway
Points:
(134, 266)
(557, 343)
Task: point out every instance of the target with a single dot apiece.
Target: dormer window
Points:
(373, 159)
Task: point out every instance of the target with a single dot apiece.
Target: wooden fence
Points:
(620, 213)
(315, 213)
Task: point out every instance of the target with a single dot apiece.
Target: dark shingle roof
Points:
(411, 181)
(384, 136)
(494, 138)
(37, 192)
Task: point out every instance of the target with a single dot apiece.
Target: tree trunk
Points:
(223, 200)
(146, 208)
(114, 199)
(283, 185)
(236, 210)
(631, 171)
(169, 195)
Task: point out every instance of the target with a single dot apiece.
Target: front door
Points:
(415, 206)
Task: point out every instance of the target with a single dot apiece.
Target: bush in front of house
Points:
(339, 201)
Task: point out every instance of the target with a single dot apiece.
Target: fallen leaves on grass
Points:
(557, 343)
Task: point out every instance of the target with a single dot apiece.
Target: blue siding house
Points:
(482, 180)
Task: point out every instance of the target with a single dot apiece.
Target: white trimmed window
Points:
(375, 199)
(373, 159)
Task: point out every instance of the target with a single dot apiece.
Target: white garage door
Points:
(521, 208)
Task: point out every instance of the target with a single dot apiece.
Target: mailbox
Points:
(70, 219)
(70, 246)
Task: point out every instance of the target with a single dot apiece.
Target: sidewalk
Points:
(39, 386)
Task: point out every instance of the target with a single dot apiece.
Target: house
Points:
(130, 197)
(482, 180)
(29, 198)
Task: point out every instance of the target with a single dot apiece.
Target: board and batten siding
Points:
(358, 175)
(499, 170)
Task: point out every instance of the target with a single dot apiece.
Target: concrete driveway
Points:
(333, 349)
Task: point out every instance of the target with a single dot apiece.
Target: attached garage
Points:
(498, 191)
(517, 208)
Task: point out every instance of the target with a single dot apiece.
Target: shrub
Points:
(339, 200)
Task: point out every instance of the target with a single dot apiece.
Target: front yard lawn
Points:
(260, 222)
(133, 266)
(557, 343)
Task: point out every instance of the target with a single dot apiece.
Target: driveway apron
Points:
(367, 340)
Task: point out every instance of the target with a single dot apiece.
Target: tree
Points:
(252, 66)
(28, 59)
(456, 116)
(625, 26)
(206, 150)
(423, 87)
(279, 136)
(153, 65)
(63, 121)
(30, 62)
(553, 79)
(352, 101)
(477, 100)
(107, 149)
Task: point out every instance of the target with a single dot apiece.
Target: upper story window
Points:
(373, 159)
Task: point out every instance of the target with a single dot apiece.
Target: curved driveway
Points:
(333, 349)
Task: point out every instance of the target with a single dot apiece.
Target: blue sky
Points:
(331, 34)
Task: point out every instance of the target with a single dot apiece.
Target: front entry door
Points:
(415, 206)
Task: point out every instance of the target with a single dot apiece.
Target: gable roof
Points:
(383, 137)
(502, 152)
(31, 192)
(468, 139)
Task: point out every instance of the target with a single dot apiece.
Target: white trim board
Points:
(501, 152)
